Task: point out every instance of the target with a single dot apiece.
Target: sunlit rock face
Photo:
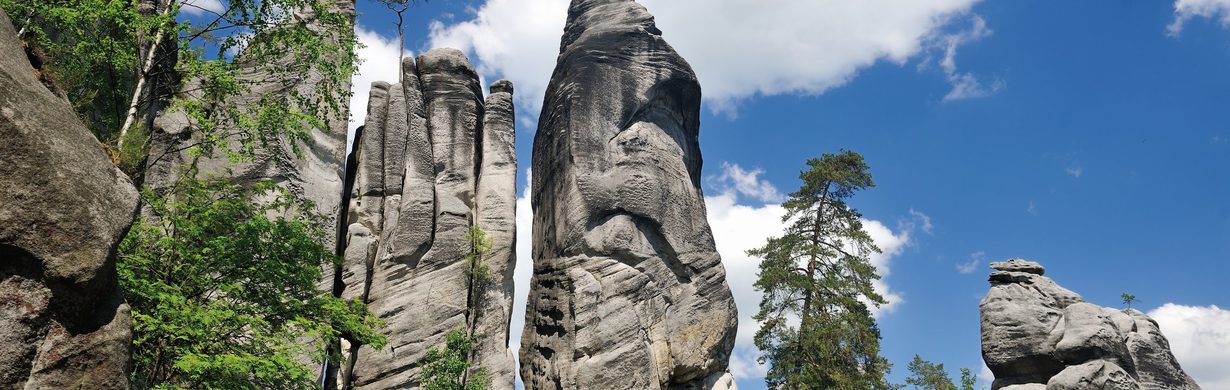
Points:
(433, 159)
(1036, 334)
(64, 207)
(628, 290)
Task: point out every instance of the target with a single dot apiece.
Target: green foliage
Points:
(225, 296)
(925, 375)
(1128, 299)
(480, 245)
(304, 82)
(449, 368)
(819, 273)
(93, 51)
(130, 156)
(967, 379)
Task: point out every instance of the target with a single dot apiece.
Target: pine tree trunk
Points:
(811, 273)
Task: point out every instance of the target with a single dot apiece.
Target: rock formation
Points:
(432, 160)
(628, 290)
(315, 174)
(65, 208)
(1038, 335)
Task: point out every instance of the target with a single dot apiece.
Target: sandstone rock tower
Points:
(1038, 335)
(432, 160)
(65, 208)
(628, 290)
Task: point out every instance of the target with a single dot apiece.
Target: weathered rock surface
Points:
(432, 160)
(64, 209)
(1036, 333)
(315, 174)
(628, 290)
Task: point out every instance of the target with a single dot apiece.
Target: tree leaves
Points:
(223, 289)
(446, 369)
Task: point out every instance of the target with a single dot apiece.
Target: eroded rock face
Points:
(432, 160)
(314, 174)
(628, 290)
(1037, 334)
(65, 208)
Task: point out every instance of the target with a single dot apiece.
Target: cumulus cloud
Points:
(380, 63)
(513, 39)
(975, 259)
(1200, 339)
(1186, 10)
(739, 48)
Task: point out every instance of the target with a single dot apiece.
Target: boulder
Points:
(1036, 333)
(628, 290)
(64, 207)
(1093, 375)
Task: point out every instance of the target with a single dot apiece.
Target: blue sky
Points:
(1092, 136)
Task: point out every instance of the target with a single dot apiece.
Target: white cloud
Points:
(746, 183)
(964, 85)
(1032, 208)
(202, 7)
(975, 259)
(739, 48)
(241, 42)
(524, 270)
(1075, 171)
(1200, 339)
(985, 376)
(920, 221)
(513, 39)
(743, 363)
(380, 63)
(1186, 10)
(891, 244)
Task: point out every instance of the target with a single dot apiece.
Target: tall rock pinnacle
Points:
(1038, 335)
(432, 160)
(64, 207)
(628, 290)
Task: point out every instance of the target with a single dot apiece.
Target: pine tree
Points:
(925, 375)
(817, 331)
